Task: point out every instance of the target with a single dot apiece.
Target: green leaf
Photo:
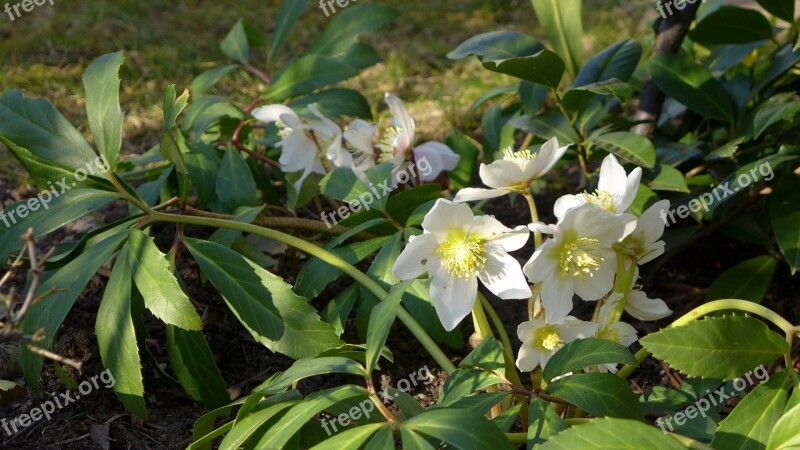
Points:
(343, 184)
(278, 435)
(666, 178)
(771, 114)
(465, 382)
(461, 177)
(290, 12)
(599, 394)
(226, 237)
(749, 425)
(101, 81)
(353, 438)
(235, 44)
(35, 125)
(345, 28)
(500, 91)
(784, 213)
(617, 61)
(360, 56)
(781, 8)
(488, 355)
(68, 283)
(162, 294)
(235, 186)
(311, 367)
(561, 20)
(316, 274)
(335, 104)
(338, 310)
(578, 98)
(544, 68)
(449, 425)
(543, 422)
(716, 347)
(583, 353)
(116, 338)
(784, 434)
(609, 433)
(551, 123)
(203, 165)
(414, 441)
(497, 45)
(209, 78)
(380, 322)
(383, 439)
(731, 25)
(193, 363)
(418, 302)
(748, 280)
(52, 212)
(632, 147)
(307, 74)
(246, 429)
(383, 263)
(692, 85)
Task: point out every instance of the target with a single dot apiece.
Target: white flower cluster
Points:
(594, 252)
(318, 145)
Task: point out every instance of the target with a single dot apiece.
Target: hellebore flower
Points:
(397, 145)
(542, 339)
(514, 172)
(615, 190)
(644, 243)
(578, 259)
(644, 308)
(457, 249)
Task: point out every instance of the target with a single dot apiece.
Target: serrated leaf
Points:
(610, 433)
(245, 429)
(749, 425)
(666, 178)
(235, 186)
(193, 363)
(488, 355)
(352, 438)
(162, 294)
(748, 280)
(716, 347)
(583, 353)
(543, 422)
(599, 394)
(465, 382)
(116, 338)
(101, 81)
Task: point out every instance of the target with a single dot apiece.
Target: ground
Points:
(45, 53)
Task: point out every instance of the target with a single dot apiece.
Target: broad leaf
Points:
(632, 147)
(544, 67)
(380, 323)
(666, 178)
(307, 74)
(748, 280)
(784, 434)
(599, 394)
(116, 338)
(290, 12)
(449, 425)
(781, 8)
(543, 422)
(692, 85)
(578, 98)
(608, 433)
(784, 213)
(235, 44)
(583, 353)
(617, 61)
(208, 79)
(352, 438)
(193, 363)
(162, 294)
(731, 25)
(336, 104)
(497, 45)
(101, 81)
(235, 186)
(345, 28)
(310, 367)
(488, 355)
(716, 347)
(771, 114)
(562, 22)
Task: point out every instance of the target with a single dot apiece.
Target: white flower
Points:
(615, 190)
(303, 140)
(644, 243)
(541, 339)
(456, 249)
(578, 259)
(359, 138)
(399, 140)
(514, 172)
(619, 332)
(644, 308)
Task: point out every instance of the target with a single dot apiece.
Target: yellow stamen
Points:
(580, 258)
(602, 199)
(520, 158)
(463, 256)
(547, 338)
(386, 146)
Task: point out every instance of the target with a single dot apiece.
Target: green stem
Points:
(482, 324)
(537, 236)
(622, 285)
(721, 305)
(326, 256)
(498, 324)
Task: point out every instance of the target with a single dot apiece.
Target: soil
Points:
(98, 420)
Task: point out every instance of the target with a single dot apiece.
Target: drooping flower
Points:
(644, 308)
(457, 249)
(615, 190)
(578, 259)
(359, 140)
(644, 243)
(542, 339)
(304, 141)
(620, 332)
(514, 172)
(397, 145)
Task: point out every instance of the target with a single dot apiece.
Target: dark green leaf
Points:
(731, 25)
(629, 146)
(599, 394)
(576, 99)
(208, 79)
(465, 382)
(193, 363)
(497, 45)
(235, 44)
(310, 367)
(235, 186)
(609, 433)
(380, 322)
(449, 424)
(771, 114)
(544, 68)
(290, 12)
(488, 355)
(551, 123)
(353, 438)
(543, 422)
(583, 353)
(666, 178)
(462, 176)
(781, 8)
(748, 280)
(307, 74)
(784, 213)
(336, 103)
(345, 28)
(617, 61)
(692, 85)
(562, 22)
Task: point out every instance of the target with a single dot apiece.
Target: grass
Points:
(168, 42)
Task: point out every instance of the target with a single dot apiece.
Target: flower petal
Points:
(275, 113)
(400, 115)
(573, 329)
(503, 276)
(452, 297)
(501, 174)
(644, 308)
(565, 203)
(613, 178)
(528, 357)
(473, 194)
(557, 296)
(548, 156)
(512, 240)
(412, 261)
(631, 188)
(542, 228)
(437, 156)
(595, 287)
(446, 215)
